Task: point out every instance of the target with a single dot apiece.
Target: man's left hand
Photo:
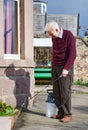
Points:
(64, 72)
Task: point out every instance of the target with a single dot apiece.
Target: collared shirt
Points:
(61, 33)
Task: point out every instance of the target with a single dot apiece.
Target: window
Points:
(12, 29)
(42, 56)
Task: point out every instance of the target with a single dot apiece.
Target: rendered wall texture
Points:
(17, 76)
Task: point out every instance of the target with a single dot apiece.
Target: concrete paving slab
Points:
(35, 119)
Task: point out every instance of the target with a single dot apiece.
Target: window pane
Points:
(11, 20)
(42, 56)
(8, 35)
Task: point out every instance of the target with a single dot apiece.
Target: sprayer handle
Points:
(49, 90)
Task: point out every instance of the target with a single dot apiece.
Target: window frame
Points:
(16, 56)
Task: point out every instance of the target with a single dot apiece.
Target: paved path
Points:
(35, 119)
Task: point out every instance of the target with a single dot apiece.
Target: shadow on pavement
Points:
(83, 109)
(32, 112)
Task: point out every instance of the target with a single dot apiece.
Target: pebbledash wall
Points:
(17, 76)
(81, 62)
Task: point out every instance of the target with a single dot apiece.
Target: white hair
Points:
(51, 26)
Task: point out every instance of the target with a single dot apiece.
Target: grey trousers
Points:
(62, 90)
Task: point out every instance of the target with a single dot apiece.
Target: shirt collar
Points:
(61, 33)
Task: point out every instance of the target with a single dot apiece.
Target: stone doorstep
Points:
(7, 123)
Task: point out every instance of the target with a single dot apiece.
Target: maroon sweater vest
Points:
(64, 50)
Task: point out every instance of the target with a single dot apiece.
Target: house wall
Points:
(17, 76)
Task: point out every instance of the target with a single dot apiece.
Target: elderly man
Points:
(63, 57)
